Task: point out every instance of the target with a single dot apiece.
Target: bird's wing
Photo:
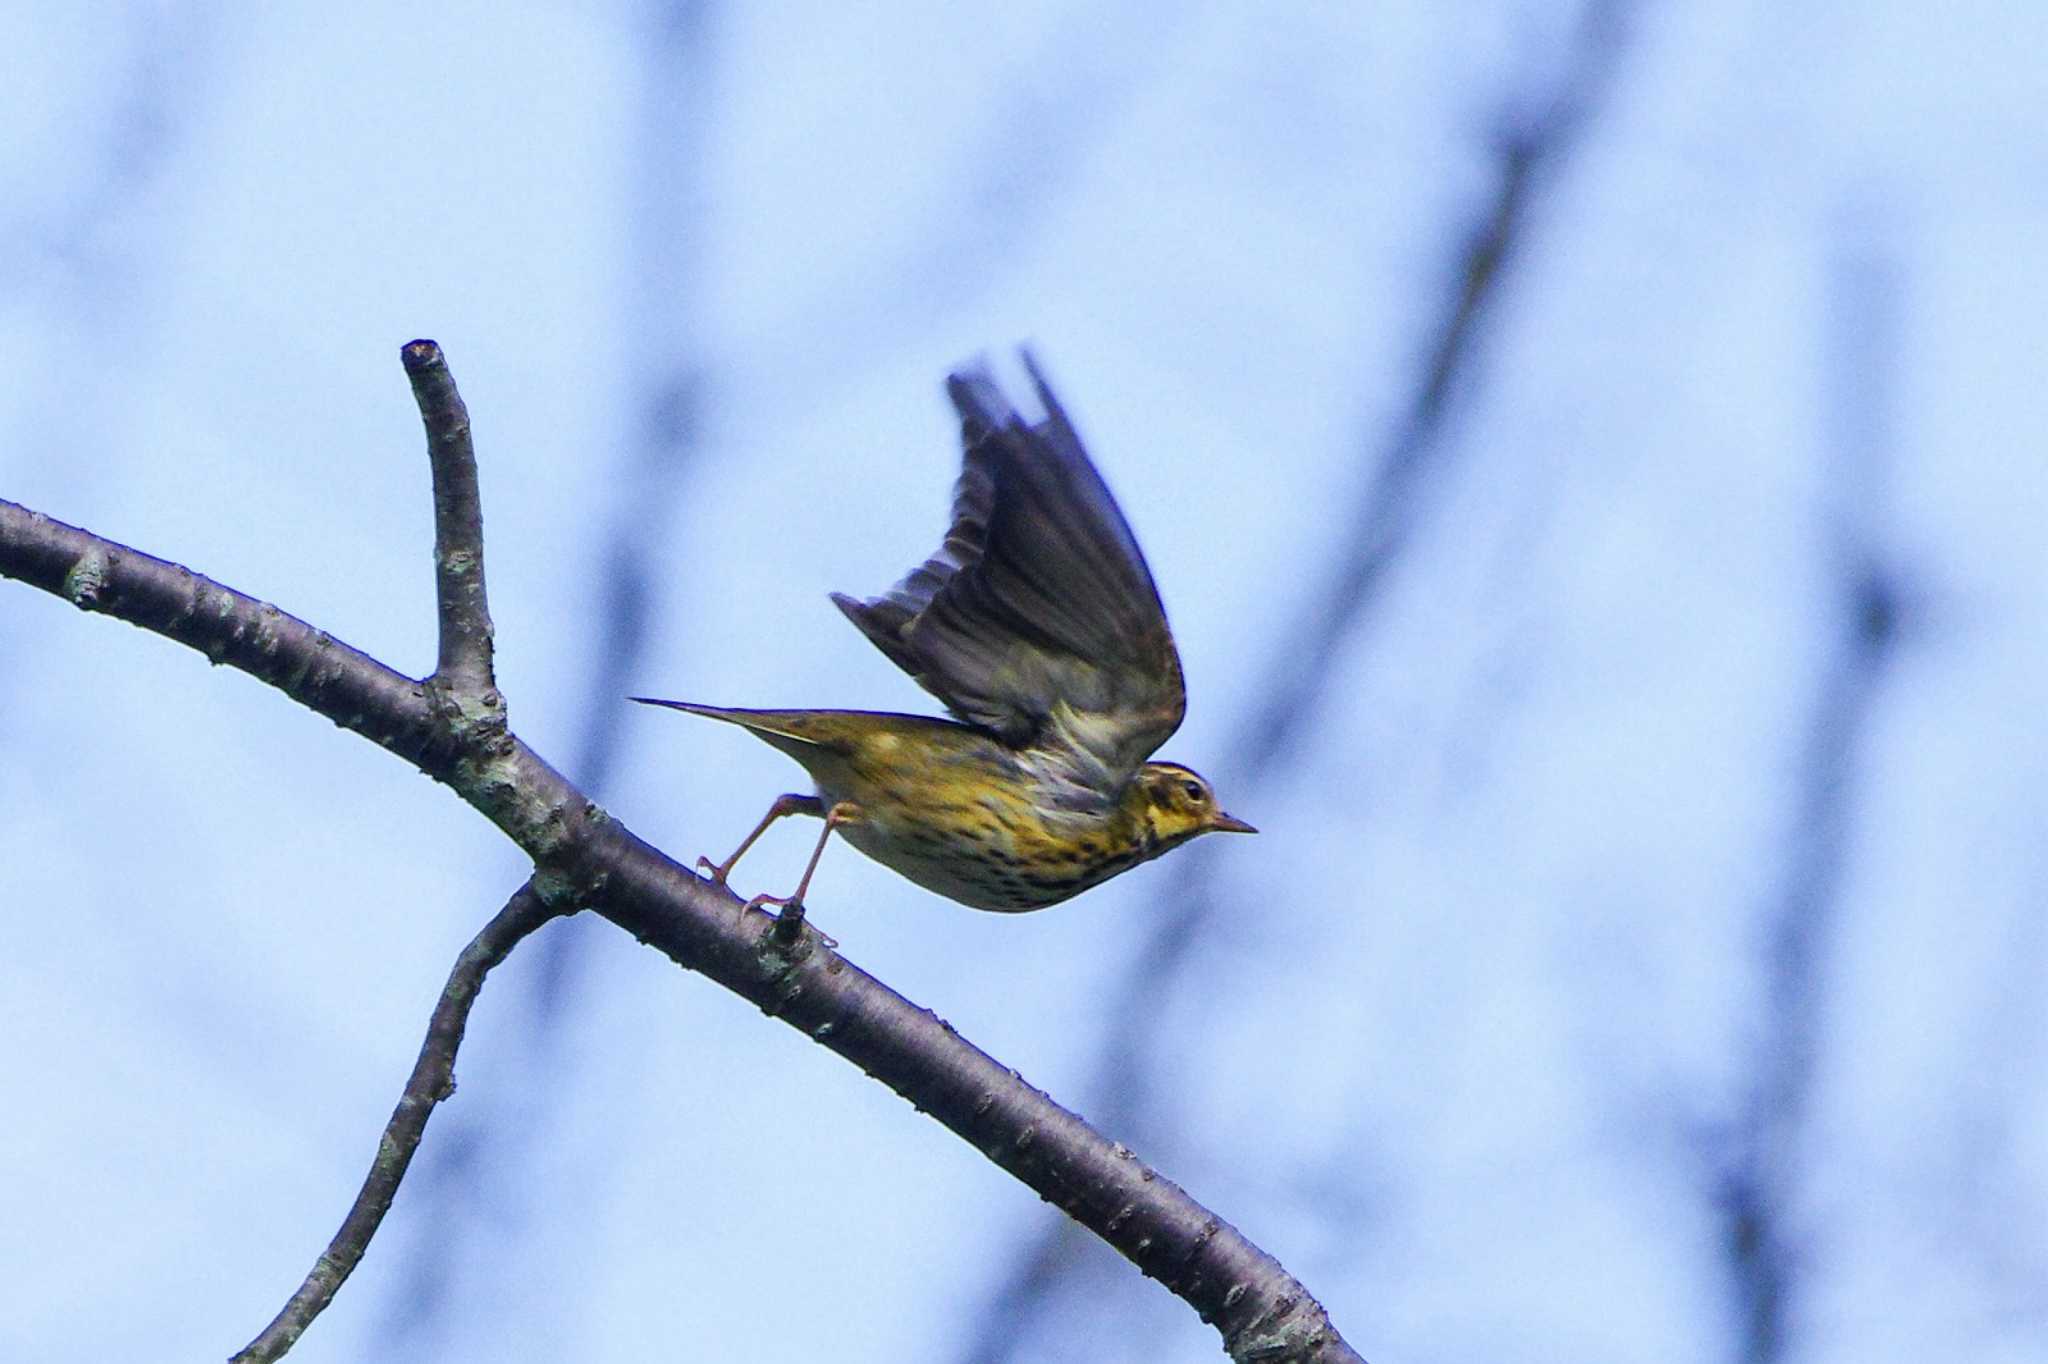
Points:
(1037, 618)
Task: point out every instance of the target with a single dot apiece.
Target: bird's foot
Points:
(790, 921)
(789, 918)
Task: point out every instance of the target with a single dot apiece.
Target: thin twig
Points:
(433, 1079)
(465, 616)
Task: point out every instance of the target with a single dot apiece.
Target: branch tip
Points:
(420, 354)
(465, 662)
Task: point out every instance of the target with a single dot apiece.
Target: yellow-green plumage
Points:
(960, 813)
(1038, 624)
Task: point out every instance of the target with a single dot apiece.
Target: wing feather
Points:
(1037, 618)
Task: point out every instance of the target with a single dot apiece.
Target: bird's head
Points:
(1176, 804)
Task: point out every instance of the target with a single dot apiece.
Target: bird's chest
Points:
(996, 851)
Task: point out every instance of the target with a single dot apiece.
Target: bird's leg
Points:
(792, 906)
(784, 805)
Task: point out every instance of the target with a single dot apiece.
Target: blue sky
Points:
(1705, 617)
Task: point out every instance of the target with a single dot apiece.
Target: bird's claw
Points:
(790, 921)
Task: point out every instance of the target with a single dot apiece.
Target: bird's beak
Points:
(1229, 825)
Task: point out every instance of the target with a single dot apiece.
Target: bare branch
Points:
(465, 616)
(433, 1079)
(313, 668)
(585, 857)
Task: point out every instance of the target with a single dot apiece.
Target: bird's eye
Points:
(1195, 792)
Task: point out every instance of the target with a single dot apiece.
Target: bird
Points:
(1038, 625)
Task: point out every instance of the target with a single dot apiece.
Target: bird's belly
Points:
(985, 860)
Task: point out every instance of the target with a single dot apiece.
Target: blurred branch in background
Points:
(1052, 1275)
(1759, 1181)
(1024, 166)
(1547, 1006)
(1009, 185)
(81, 246)
(1051, 109)
(485, 1163)
(148, 107)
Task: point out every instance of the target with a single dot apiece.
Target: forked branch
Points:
(452, 726)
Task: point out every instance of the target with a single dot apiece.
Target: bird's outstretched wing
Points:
(1037, 618)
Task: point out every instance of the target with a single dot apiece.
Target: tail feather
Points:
(769, 724)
